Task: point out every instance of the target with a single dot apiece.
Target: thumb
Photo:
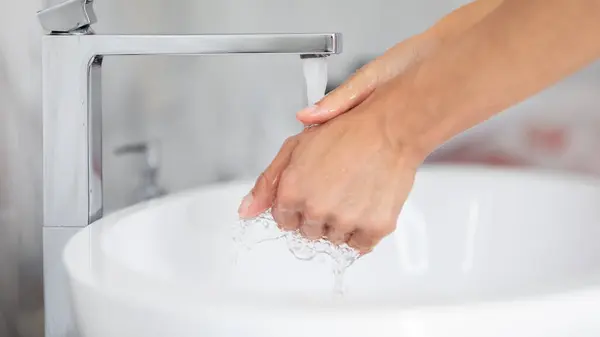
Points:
(350, 94)
(263, 193)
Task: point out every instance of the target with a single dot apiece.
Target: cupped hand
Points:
(367, 79)
(345, 180)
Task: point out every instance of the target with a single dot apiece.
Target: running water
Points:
(342, 256)
(315, 76)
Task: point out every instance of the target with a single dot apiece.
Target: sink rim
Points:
(565, 293)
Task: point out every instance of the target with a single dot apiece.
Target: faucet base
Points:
(59, 314)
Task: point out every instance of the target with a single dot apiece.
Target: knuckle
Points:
(289, 179)
(312, 232)
(338, 235)
(346, 220)
(312, 223)
(278, 214)
(288, 225)
(287, 193)
(315, 211)
(343, 231)
(355, 242)
(336, 240)
(286, 221)
(285, 200)
(362, 242)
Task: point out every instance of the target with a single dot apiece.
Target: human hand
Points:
(361, 85)
(396, 61)
(345, 180)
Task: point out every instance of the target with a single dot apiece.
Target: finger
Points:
(363, 253)
(263, 193)
(312, 230)
(338, 234)
(350, 94)
(362, 242)
(286, 219)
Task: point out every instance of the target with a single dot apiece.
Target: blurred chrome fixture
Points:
(72, 105)
(149, 187)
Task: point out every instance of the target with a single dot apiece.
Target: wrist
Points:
(411, 120)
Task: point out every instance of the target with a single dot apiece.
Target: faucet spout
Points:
(301, 44)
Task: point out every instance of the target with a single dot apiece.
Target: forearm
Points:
(519, 49)
(461, 19)
(418, 47)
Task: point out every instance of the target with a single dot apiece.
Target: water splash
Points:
(251, 232)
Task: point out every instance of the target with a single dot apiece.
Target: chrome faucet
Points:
(72, 67)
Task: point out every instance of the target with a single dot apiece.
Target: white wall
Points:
(20, 171)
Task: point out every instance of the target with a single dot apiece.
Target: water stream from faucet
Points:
(263, 228)
(315, 77)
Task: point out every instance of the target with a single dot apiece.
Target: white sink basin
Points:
(478, 252)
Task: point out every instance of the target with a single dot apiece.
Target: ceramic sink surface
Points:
(478, 252)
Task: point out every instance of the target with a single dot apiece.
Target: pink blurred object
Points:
(557, 130)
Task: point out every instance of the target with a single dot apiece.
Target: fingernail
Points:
(245, 205)
(313, 110)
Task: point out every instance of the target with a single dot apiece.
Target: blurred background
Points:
(216, 119)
